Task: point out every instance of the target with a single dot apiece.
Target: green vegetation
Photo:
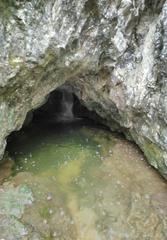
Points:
(154, 155)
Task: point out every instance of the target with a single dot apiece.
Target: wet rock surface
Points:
(80, 183)
(112, 52)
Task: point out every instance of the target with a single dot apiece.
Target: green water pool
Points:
(81, 182)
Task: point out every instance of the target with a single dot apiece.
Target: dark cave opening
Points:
(61, 109)
(62, 106)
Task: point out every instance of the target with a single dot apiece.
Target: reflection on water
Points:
(84, 184)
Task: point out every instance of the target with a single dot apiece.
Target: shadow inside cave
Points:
(61, 109)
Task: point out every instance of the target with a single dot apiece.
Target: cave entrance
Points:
(62, 119)
(62, 109)
(62, 106)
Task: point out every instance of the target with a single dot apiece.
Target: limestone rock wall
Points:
(114, 53)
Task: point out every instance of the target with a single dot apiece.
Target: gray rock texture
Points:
(114, 54)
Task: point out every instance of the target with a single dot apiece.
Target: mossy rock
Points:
(155, 156)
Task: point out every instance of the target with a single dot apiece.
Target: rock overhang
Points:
(114, 54)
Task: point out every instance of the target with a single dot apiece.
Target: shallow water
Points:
(79, 182)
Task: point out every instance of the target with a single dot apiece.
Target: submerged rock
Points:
(113, 53)
(12, 203)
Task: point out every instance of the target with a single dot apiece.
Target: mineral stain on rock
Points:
(77, 181)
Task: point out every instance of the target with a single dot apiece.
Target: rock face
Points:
(114, 54)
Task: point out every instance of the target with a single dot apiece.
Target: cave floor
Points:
(76, 181)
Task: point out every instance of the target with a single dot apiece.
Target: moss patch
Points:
(154, 154)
